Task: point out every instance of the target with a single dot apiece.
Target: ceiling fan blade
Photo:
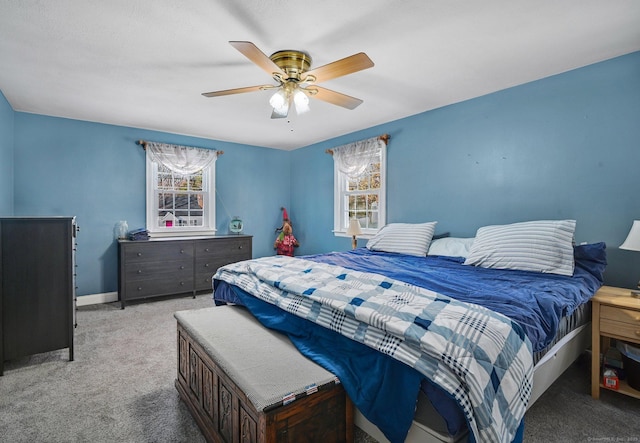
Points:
(236, 91)
(258, 57)
(347, 65)
(333, 97)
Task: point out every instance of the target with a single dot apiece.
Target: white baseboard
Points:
(94, 299)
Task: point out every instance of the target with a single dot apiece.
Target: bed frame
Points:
(429, 427)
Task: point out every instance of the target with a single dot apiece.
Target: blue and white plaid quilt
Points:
(478, 356)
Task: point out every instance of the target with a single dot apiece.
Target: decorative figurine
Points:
(285, 242)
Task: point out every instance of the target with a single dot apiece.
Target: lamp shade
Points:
(279, 99)
(354, 227)
(302, 101)
(632, 243)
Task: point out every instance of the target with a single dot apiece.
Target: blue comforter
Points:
(535, 301)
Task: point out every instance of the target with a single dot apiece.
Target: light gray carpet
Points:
(120, 388)
(566, 412)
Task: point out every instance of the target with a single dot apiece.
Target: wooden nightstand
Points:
(615, 315)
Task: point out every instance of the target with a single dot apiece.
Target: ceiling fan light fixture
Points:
(281, 112)
(280, 103)
(296, 82)
(302, 101)
(279, 99)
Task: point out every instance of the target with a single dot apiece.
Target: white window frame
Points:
(209, 213)
(340, 200)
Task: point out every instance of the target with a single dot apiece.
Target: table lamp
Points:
(354, 230)
(632, 243)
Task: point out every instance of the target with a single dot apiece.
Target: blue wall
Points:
(96, 172)
(567, 146)
(562, 147)
(6, 156)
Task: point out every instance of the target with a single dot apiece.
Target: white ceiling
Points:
(145, 63)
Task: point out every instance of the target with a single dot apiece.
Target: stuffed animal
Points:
(285, 242)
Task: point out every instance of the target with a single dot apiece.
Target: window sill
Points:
(172, 233)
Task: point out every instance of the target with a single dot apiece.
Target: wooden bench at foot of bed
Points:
(236, 377)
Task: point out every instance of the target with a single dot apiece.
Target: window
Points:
(180, 203)
(362, 196)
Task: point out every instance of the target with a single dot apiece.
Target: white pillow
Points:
(403, 238)
(451, 247)
(542, 246)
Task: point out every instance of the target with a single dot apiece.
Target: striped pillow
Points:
(403, 238)
(541, 246)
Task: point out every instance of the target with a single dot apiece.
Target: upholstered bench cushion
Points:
(262, 362)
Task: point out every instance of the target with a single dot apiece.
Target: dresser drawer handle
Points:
(181, 283)
(206, 249)
(181, 267)
(638, 333)
(240, 247)
(139, 288)
(139, 271)
(181, 251)
(139, 254)
(206, 265)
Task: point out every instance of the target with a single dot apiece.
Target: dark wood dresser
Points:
(37, 285)
(165, 266)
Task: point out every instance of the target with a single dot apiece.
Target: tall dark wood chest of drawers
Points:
(37, 285)
(165, 266)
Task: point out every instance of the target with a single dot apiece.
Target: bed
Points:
(474, 340)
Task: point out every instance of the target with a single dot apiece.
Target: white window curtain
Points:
(354, 159)
(181, 159)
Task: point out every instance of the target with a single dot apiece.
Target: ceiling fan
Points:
(296, 83)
